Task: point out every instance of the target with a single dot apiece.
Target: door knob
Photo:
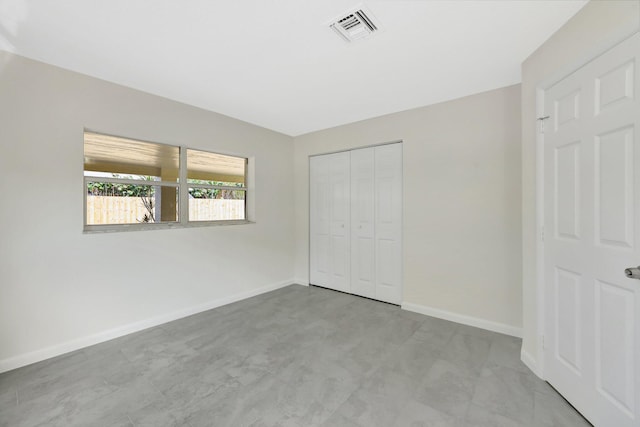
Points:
(633, 273)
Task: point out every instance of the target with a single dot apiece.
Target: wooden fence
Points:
(130, 210)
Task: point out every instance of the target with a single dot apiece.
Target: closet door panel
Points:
(362, 223)
(319, 224)
(388, 223)
(340, 182)
(329, 207)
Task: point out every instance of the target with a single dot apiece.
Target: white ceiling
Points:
(275, 63)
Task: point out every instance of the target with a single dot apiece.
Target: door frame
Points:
(537, 366)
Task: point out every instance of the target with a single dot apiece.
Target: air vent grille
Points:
(354, 25)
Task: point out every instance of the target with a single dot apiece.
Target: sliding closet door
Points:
(362, 223)
(329, 221)
(388, 223)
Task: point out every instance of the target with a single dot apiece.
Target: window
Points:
(138, 184)
(217, 186)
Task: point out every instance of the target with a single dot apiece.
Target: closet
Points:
(355, 222)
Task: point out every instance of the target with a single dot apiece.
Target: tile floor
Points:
(298, 356)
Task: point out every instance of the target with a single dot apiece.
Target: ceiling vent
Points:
(355, 25)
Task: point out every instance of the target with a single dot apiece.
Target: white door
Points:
(592, 233)
(329, 221)
(362, 223)
(388, 223)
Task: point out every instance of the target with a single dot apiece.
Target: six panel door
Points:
(592, 233)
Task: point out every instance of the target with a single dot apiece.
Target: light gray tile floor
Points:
(298, 356)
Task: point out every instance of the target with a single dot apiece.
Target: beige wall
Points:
(597, 26)
(461, 207)
(59, 288)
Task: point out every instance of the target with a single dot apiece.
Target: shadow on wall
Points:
(12, 14)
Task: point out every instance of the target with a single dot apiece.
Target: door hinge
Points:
(542, 234)
(541, 120)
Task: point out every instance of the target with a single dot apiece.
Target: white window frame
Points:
(183, 190)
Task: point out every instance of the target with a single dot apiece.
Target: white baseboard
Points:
(530, 362)
(464, 319)
(303, 282)
(76, 344)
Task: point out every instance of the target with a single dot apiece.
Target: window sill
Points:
(96, 229)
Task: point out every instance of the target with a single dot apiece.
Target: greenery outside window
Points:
(138, 184)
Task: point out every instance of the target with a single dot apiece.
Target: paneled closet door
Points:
(319, 208)
(388, 223)
(329, 221)
(362, 223)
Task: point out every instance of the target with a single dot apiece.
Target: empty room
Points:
(320, 213)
